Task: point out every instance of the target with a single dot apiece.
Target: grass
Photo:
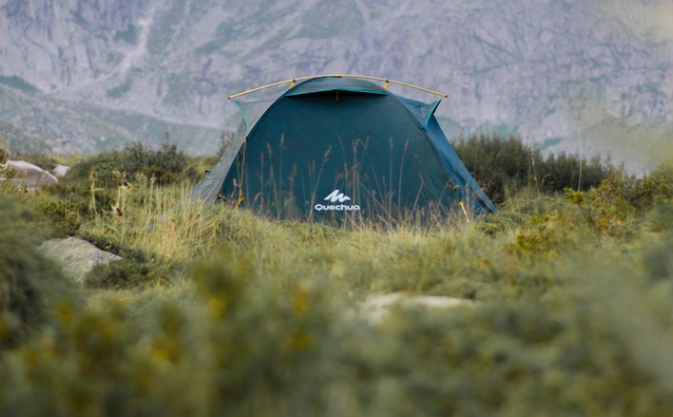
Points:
(238, 315)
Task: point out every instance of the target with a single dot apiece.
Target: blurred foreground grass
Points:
(214, 311)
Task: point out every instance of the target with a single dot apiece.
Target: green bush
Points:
(111, 169)
(167, 165)
(619, 200)
(566, 318)
(44, 161)
(19, 83)
(128, 273)
(136, 268)
(27, 279)
(505, 166)
(62, 216)
(3, 155)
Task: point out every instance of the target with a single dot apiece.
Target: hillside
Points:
(560, 304)
(553, 70)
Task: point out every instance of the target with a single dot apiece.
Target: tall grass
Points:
(571, 315)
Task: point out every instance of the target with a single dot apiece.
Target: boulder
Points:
(32, 176)
(375, 308)
(76, 256)
(61, 170)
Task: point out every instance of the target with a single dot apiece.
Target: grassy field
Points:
(214, 311)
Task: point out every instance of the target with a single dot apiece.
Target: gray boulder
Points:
(30, 175)
(76, 256)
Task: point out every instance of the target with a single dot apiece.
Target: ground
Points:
(215, 311)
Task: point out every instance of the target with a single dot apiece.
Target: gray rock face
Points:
(30, 175)
(554, 70)
(57, 44)
(76, 256)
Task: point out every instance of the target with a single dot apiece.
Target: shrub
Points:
(620, 199)
(167, 165)
(27, 279)
(42, 160)
(129, 273)
(505, 166)
(3, 155)
(111, 169)
(135, 269)
(62, 216)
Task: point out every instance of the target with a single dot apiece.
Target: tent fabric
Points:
(331, 147)
(253, 111)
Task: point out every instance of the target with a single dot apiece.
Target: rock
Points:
(61, 170)
(376, 308)
(32, 176)
(76, 256)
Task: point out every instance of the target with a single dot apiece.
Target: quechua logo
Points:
(334, 197)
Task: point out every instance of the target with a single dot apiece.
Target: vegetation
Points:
(504, 166)
(214, 311)
(166, 165)
(42, 160)
(130, 35)
(28, 281)
(19, 83)
(120, 90)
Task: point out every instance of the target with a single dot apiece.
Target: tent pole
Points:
(364, 77)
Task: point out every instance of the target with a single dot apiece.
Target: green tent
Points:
(331, 147)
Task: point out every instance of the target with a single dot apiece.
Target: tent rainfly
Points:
(336, 146)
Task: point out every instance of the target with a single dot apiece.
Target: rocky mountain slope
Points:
(567, 74)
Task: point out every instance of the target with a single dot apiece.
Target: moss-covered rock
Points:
(77, 256)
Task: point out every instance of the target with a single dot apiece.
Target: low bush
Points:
(44, 161)
(505, 166)
(129, 273)
(27, 280)
(137, 268)
(570, 312)
(619, 200)
(110, 169)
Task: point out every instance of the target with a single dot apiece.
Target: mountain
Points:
(565, 74)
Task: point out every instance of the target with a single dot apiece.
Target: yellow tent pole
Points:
(364, 77)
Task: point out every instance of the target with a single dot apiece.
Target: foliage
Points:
(3, 155)
(110, 169)
(130, 35)
(136, 268)
(42, 160)
(505, 166)
(214, 311)
(128, 273)
(19, 83)
(27, 279)
(618, 200)
(120, 90)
